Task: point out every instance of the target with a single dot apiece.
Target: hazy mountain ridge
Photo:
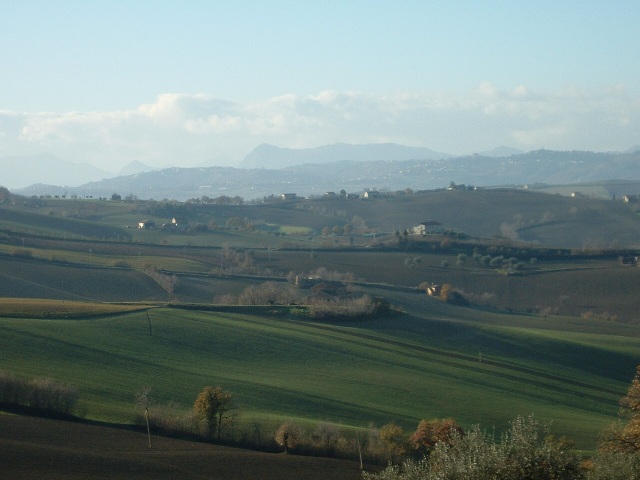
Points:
(276, 157)
(19, 172)
(540, 166)
(133, 168)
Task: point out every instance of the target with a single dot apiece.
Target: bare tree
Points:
(288, 435)
(142, 399)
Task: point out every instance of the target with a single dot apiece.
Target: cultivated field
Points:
(401, 368)
(39, 448)
(551, 327)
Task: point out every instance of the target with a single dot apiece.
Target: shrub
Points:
(47, 395)
(338, 308)
(42, 394)
(624, 437)
(169, 420)
(614, 466)
(289, 435)
(431, 432)
(521, 453)
(452, 295)
(325, 439)
(211, 409)
(267, 293)
(388, 444)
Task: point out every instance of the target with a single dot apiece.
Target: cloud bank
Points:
(199, 129)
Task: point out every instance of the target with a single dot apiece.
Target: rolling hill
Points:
(400, 368)
(558, 339)
(315, 179)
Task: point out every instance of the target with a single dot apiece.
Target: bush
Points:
(521, 453)
(267, 293)
(346, 308)
(431, 432)
(289, 436)
(41, 394)
(452, 295)
(169, 420)
(211, 409)
(614, 466)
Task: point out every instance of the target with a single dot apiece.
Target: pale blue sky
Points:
(537, 60)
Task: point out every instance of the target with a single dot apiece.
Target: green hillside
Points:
(553, 221)
(401, 368)
(551, 325)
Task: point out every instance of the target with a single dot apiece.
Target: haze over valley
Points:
(339, 240)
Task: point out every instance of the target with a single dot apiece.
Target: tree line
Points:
(38, 395)
(527, 451)
(438, 449)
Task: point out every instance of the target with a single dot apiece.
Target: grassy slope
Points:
(552, 220)
(405, 368)
(35, 279)
(402, 368)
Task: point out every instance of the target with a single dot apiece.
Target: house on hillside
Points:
(428, 227)
(371, 194)
(434, 290)
(177, 225)
(288, 196)
(630, 198)
(147, 224)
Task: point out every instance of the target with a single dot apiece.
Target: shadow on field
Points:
(32, 447)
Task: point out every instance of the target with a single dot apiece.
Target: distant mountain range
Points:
(316, 176)
(270, 156)
(21, 172)
(135, 167)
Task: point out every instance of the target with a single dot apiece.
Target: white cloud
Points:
(186, 130)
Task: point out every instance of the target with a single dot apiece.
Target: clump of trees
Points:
(211, 416)
(452, 295)
(348, 307)
(338, 300)
(212, 409)
(40, 394)
(389, 443)
(322, 272)
(289, 435)
(624, 435)
(267, 293)
(524, 451)
(431, 432)
(237, 261)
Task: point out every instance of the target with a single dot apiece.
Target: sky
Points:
(202, 83)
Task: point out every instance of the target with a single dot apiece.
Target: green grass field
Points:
(567, 357)
(402, 368)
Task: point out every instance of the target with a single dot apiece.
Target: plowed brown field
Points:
(41, 448)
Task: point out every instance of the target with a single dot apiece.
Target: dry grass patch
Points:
(45, 308)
